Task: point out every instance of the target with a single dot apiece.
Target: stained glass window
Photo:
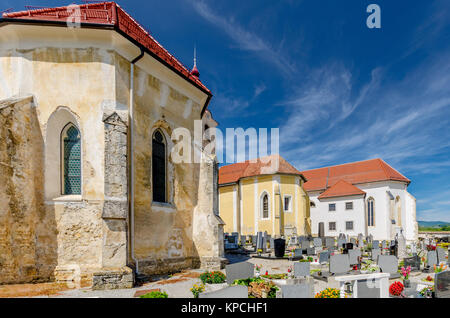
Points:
(71, 161)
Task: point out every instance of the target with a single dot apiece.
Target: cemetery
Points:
(328, 267)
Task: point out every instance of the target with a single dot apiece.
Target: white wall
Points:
(320, 213)
(383, 228)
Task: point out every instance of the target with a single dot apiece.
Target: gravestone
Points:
(339, 264)
(317, 242)
(272, 243)
(293, 241)
(367, 289)
(253, 240)
(360, 240)
(414, 262)
(401, 246)
(354, 257)
(329, 242)
(298, 253)
(432, 258)
(302, 269)
(383, 244)
(324, 257)
(440, 252)
(260, 242)
(238, 291)
(239, 271)
(442, 284)
(341, 242)
(389, 264)
(305, 244)
(413, 249)
(243, 240)
(301, 238)
(376, 244)
(297, 291)
(374, 255)
(310, 251)
(353, 241)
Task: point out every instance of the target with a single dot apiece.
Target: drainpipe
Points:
(131, 121)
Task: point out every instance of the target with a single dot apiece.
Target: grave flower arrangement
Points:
(215, 277)
(440, 268)
(405, 272)
(431, 247)
(329, 293)
(396, 289)
(197, 289)
(155, 294)
(427, 291)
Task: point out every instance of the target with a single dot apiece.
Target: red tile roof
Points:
(340, 189)
(354, 173)
(112, 15)
(233, 173)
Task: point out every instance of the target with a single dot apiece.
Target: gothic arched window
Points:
(159, 167)
(265, 206)
(71, 160)
(371, 212)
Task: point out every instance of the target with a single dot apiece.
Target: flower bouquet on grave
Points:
(427, 292)
(396, 289)
(258, 270)
(440, 268)
(405, 273)
(329, 293)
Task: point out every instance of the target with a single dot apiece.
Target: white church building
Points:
(368, 197)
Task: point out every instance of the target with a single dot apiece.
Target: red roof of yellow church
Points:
(340, 189)
(234, 172)
(107, 14)
(354, 173)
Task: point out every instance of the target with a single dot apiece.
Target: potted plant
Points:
(405, 273)
(329, 293)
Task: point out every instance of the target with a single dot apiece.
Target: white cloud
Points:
(243, 39)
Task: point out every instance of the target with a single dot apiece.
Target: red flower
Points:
(396, 289)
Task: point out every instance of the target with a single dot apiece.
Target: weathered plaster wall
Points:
(82, 81)
(163, 232)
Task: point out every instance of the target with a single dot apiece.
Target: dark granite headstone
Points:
(442, 284)
(414, 262)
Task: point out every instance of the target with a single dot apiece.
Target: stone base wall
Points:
(113, 278)
(168, 265)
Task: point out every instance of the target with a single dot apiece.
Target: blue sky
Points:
(339, 91)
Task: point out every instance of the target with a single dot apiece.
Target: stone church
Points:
(88, 189)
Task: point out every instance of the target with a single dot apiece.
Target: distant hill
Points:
(435, 224)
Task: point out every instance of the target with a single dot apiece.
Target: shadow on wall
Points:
(28, 244)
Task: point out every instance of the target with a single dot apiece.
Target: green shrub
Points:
(213, 278)
(155, 294)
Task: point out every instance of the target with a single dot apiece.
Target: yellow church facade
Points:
(255, 197)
